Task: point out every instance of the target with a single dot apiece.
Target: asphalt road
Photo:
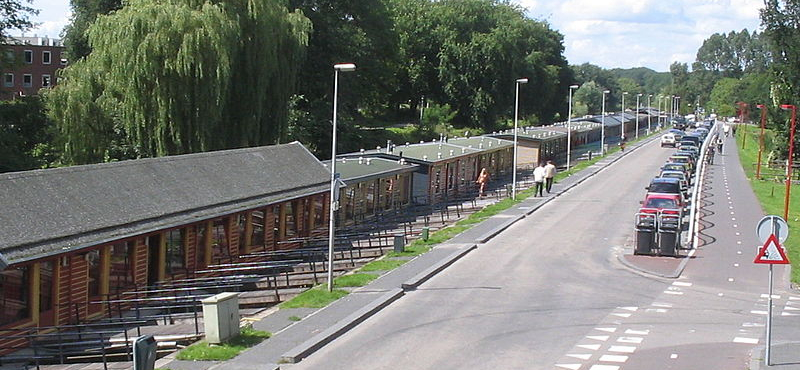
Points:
(526, 299)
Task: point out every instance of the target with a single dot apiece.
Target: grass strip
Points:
(203, 351)
(353, 280)
(316, 297)
(770, 190)
(382, 265)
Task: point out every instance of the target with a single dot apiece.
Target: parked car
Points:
(668, 139)
(672, 166)
(679, 134)
(681, 176)
(662, 202)
(683, 159)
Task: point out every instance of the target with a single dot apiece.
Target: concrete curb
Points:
(318, 341)
(674, 275)
(498, 229)
(423, 276)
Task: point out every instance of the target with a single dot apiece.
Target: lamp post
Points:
(790, 162)
(636, 116)
(761, 138)
(649, 122)
(348, 67)
(569, 124)
(519, 81)
(659, 98)
(603, 125)
(622, 118)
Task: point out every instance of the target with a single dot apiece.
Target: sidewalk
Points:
(294, 340)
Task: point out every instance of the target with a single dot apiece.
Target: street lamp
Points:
(636, 115)
(649, 122)
(659, 98)
(790, 162)
(516, 115)
(569, 124)
(347, 67)
(761, 138)
(603, 125)
(622, 118)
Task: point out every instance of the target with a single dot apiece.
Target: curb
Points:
(318, 341)
(675, 274)
(499, 228)
(413, 283)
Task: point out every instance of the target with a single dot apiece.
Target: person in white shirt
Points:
(549, 174)
(538, 179)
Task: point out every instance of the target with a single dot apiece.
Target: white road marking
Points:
(622, 314)
(733, 219)
(789, 314)
(657, 310)
(720, 294)
(733, 213)
(673, 356)
(774, 296)
(681, 283)
(790, 308)
(613, 358)
(758, 312)
(607, 330)
(739, 242)
(736, 264)
(637, 332)
(673, 292)
(569, 366)
(738, 252)
(633, 309)
(735, 225)
(793, 298)
(753, 325)
(738, 233)
(593, 347)
(667, 305)
(622, 349)
(601, 338)
(635, 340)
(745, 340)
(582, 356)
(730, 279)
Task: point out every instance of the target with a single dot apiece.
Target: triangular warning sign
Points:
(772, 253)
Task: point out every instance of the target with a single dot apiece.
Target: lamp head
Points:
(574, 86)
(639, 94)
(624, 93)
(345, 67)
(788, 107)
(606, 91)
(522, 81)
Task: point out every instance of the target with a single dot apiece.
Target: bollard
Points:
(399, 244)
(144, 353)
(425, 233)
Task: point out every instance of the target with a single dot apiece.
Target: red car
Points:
(662, 202)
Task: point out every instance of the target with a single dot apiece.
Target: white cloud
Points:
(635, 33)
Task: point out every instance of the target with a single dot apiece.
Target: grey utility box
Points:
(221, 317)
(144, 353)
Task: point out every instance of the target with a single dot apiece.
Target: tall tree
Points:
(84, 13)
(181, 76)
(14, 14)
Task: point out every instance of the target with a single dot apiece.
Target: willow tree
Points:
(181, 76)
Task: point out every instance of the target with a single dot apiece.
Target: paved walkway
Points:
(294, 340)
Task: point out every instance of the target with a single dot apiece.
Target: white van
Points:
(668, 139)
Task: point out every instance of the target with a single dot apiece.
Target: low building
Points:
(76, 235)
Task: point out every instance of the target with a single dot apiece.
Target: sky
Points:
(607, 33)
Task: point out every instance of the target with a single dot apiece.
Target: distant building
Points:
(29, 64)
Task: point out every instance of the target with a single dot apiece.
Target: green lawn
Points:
(202, 351)
(771, 193)
(316, 297)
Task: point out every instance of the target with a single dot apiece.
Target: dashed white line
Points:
(632, 309)
(635, 340)
(601, 338)
(745, 340)
(622, 349)
(604, 367)
(607, 330)
(593, 347)
(582, 356)
(681, 283)
(569, 366)
(735, 265)
(626, 315)
(758, 312)
(637, 332)
(673, 356)
(613, 358)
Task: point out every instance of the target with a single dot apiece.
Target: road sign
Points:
(772, 253)
(772, 225)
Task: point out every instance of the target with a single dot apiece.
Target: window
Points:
(121, 273)
(241, 220)
(28, 56)
(93, 264)
(291, 225)
(27, 80)
(8, 80)
(319, 210)
(14, 300)
(63, 61)
(46, 57)
(219, 240)
(45, 80)
(200, 248)
(257, 220)
(46, 286)
(176, 253)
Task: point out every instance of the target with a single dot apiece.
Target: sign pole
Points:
(769, 319)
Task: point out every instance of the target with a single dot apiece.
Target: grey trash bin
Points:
(399, 244)
(144, 353)
(645, 234)
(425, 233)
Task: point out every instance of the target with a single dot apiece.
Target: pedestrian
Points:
(549, 175)
(719, 145)
(538, 179)
(483, 179)
(711, 154)
(622, 143)
(727, 129)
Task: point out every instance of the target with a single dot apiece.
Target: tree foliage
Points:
(84, 13)
(25, 135)
(14, 14)
(733, 54)
(181, 76)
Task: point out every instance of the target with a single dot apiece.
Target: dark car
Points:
(693, 138)
(664, 185)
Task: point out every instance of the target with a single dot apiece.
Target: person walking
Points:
(719, 144)
(622, 143)
(538, 179)
(483, 179)
(549, 175)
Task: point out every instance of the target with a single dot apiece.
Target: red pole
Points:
(789, 164)
(761, 139)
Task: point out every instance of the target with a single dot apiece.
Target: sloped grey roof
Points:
(354, 170)
(55, 210)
